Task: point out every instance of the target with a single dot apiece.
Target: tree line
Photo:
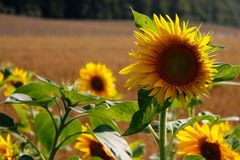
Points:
(215, 11)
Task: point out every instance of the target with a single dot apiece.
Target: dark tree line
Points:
(216, 11)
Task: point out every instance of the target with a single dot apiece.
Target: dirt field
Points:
(57, 49)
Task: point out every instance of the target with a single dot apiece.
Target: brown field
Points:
(57, 49)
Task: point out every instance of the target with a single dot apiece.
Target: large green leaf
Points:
(118, 111)
(6, 122)
(74, 128)
(75, 98)
(146, 113)
(114, 143)
(96, 122)
(45, 130)
(193, 157)
(226, 72)
(176, 126)
(143, 21)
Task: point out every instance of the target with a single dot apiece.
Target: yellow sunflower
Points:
(1, 77)
(206, 141)
(98, 79)
(172, 61)
(18, 78)
(6, 149)
(91, 147)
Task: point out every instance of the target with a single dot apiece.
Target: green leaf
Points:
(226, 72)
(175, 126)
(96, 122)
(113, 142)
(215, 48)
(20, 98)
(143, 21)
(6, 122)
(74, 158)
(234, 139)
(193, 157)
(137, 149)
(45, 130)
(74, 128)
(146, 113)
(74, 98)
(118, 111)
(25, 157)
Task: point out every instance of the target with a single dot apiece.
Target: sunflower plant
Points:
(174, 63)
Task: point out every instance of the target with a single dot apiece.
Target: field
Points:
(57, 49)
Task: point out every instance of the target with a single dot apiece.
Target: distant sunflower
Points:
(18, 78)
(173, 61)
(6, 149)
(91, 147)
(97, 79)
(1, 77)
(206, 141)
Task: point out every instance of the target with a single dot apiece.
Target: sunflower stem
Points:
(163, 135)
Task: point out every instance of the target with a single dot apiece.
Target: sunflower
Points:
(91, 147)
(1, 77)
(206, 141)
(18, 78)
(6, 149)
(97, 79)
(172, 61)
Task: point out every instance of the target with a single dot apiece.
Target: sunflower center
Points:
(17, 84)
(178, 65)
(96, 149)
(210, 151)
(97, 84)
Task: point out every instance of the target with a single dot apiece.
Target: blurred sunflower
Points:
(172, 61)
(97, 79)
(1, 77)
(206, 141)
(18, 78)
(91, 147)
(6, 149)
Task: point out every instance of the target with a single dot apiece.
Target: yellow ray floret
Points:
(172, 61)
(6, 149)
(206, 141)
(97, 79)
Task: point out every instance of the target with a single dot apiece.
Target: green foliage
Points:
(193, 157)
(143, 21)
(73, 129)
(25, 157)
(234, 139)
(114, 143)
(137, 149)
(146, 113)
(226, 72)
(45, 130)
(175, 126)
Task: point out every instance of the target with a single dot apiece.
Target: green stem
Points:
(26, 139)
(59, 130)
(163, 135)
(154, 134)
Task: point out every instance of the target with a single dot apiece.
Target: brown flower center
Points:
(96, 149)
(178, 65)
(210, 151)
(17, 84)
(97, 84)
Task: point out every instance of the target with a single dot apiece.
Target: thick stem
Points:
(55, 147)
(163, 135)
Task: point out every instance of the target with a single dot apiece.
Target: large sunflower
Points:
(87, 144)
(97, 79)
(172, 61)
(6, 149)
(206, 141)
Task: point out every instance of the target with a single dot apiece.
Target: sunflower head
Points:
(1, 77)
(91, 147)
(172, 61)
(6, 149)
(206, 141)
(18, 78)
(97, 79)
